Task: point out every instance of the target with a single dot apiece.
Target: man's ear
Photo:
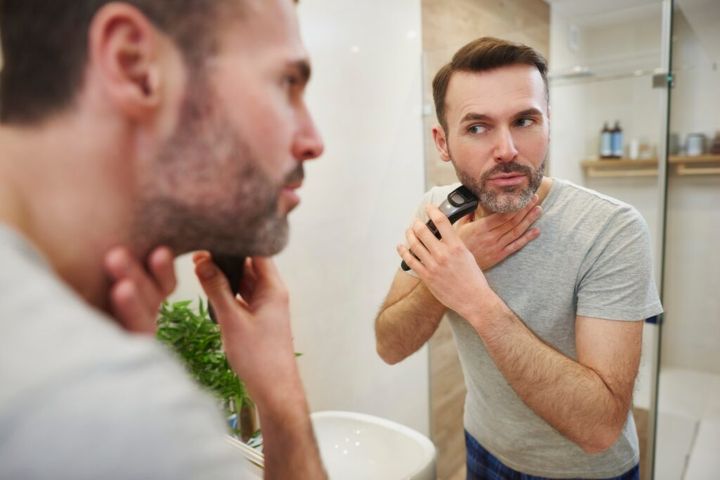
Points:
(124, 50)
(441, 143)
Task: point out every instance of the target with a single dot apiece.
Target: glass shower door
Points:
(687, 443)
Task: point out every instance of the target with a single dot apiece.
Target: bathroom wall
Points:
(365, 95)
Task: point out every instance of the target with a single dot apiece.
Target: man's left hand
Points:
(137, 290)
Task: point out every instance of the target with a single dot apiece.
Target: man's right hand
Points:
(493, 238)
(255, 326)
(256, 334)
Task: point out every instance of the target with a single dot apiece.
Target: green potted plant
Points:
(196, 340)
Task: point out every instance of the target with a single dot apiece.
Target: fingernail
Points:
(206, 270)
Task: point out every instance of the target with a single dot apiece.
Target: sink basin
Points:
(356, 446)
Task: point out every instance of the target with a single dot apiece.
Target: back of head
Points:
(44, 46)
(483, 54)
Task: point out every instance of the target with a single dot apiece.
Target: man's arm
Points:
(586, 400)
(258, 343)
(411, 314)
(407, 319)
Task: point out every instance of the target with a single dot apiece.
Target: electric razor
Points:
(459, 202)
(232, 267)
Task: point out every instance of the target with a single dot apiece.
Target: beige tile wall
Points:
(448, 25)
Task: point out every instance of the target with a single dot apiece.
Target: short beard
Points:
(509, 199)
(206, 189)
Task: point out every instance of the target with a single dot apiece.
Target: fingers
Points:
(526, 238)
(416, 248)
(442, 223)
(522, 228)
(161, 266)
(266, 282)
(214, 284)
(128, 308)
(121, 265)
(411, 260)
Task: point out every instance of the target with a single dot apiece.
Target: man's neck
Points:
(55, 192)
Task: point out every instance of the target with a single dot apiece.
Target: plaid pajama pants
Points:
(482, 465)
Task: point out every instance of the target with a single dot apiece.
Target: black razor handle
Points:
(232, 267)
(459, 202)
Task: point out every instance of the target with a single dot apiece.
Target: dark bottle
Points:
(617, 141)
(606, 142)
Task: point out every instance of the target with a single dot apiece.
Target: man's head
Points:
(206, 96)
(492, 104)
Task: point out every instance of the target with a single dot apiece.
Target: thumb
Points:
(214, 284)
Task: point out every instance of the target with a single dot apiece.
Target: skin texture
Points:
(495, 118)
(166, 155)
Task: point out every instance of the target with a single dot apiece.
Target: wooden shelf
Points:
(620, 167)
(625, 167)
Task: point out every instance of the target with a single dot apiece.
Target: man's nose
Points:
(308, 143)
(505, 150)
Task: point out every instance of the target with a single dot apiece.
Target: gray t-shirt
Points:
(82, 399)
(592, 259)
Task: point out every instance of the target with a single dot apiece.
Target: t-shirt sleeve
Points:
(617, 281)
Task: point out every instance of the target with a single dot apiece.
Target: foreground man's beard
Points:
(206, 188)
(503, 199)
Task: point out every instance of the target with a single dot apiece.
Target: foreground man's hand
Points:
(256, 334)
(137, 291)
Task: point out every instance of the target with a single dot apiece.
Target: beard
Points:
(206, 189)
(503, 199)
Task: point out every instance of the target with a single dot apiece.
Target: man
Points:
(548, 332)
(125, 126)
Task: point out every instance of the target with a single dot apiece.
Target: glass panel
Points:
(605, 58)
(688, 427)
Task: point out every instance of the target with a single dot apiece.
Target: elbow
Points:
(388, 355)
(601, 439)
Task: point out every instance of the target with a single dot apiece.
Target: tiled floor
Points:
(688, 425)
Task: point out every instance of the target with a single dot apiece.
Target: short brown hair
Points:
(486, 53)
(44, 44)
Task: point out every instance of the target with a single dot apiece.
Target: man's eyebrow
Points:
(471, 116)
(530, 112)
(302, 67)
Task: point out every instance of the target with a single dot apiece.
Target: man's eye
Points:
(476, 129)
(291, 80)
(525, 122)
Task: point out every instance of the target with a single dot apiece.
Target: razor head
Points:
(459, 202)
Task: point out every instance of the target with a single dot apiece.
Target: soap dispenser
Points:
(606, 142)
(617, 140)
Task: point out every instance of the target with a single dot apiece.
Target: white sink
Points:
(356, 446)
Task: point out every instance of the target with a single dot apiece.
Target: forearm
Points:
(403, 327)
(571, 397)
(289, 444)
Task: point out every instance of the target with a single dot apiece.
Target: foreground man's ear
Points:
(124, 54)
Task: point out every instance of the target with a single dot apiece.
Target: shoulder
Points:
(598, 207)
(436, 195)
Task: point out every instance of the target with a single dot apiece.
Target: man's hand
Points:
(137, 291)
(255, 328)
(255, 325)
(446, 267)
(493, 238)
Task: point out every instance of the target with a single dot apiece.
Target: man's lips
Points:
(507, 179)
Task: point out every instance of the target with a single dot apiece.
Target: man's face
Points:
(497, 134)
(225, 178)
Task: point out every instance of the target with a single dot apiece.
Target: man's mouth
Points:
(507, 179)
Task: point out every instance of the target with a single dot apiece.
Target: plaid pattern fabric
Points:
(482, 465)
